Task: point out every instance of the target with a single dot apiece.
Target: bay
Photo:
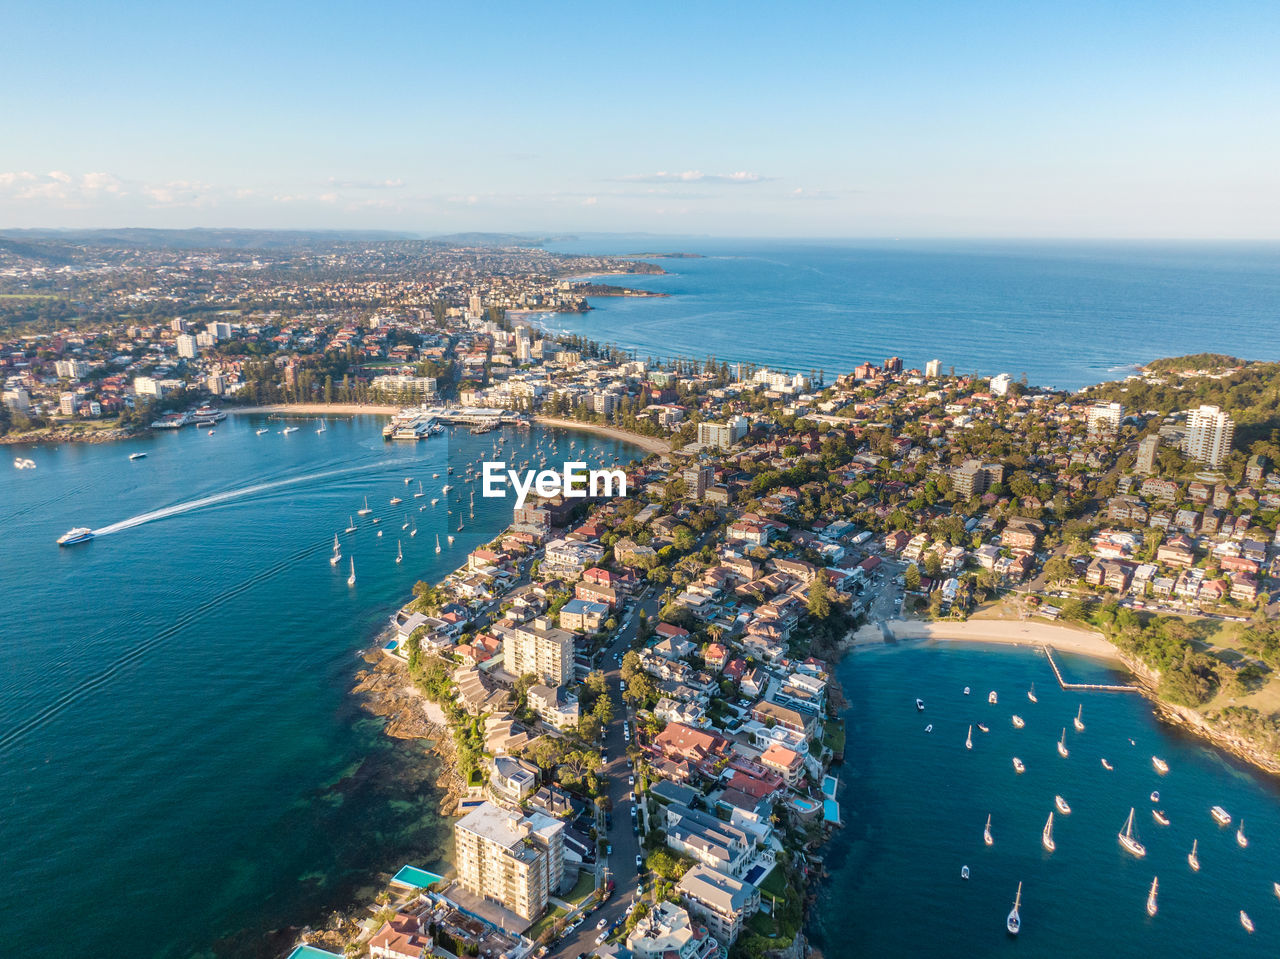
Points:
(181, 762)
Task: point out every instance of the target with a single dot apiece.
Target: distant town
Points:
(637, 695)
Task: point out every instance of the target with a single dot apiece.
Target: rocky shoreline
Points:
(71, 435)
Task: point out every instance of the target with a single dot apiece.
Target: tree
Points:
(819, 598)
(911, 577)
(603, 710)
(1057, 569)
(590, 727)
(932, 565)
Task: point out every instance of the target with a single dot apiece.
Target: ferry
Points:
(1062, 805)
(81, 534)
(1220, 816)
(137, 456)
(209, 414)
(1160, 765)
(1127, 841)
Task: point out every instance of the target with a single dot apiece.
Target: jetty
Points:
(1097, 687)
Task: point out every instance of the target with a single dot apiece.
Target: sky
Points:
(1145, 118)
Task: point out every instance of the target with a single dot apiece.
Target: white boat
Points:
(1127, 840)
(991, 697)
(1246, 921)
(929, 728)
(435, 475)
(80, 534)
(420, 493)
(399, 553)
(137, 456)
(1031, 693)
(396, 501)
(437, 542)
(1062, 805)
(336, 547)
(1077, 722)
(379, 534)
(919, 705)
(1241, 839)
(983, 727)
(408, 480)
(1017, 765)
(966, 690)
(1159, 816)
(351, 525)
(1014, 922)
(434, 501)
(964, 872)
(1046, 837)
(322, 428)
(1155, 795)
(1017, 721)
(1151, 896)
(1062, 744)
(1220, 816)
(263, 430)
(1193, 860)
(445, 488)
(335, 559)
(364, 510)
(414, 531)
(1161, 766)
(1106, 765)
(449, 539)
(968, 740)
(404, 525)
(211, 432)
(351, 580)
(289, 429)
(986, 833)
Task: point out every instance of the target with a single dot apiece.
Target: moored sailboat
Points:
(1151, 896)
(1031, 693)
(968, 740)
(986, 833)
(351, 580)
(364, 510)
(1078, 722)
(437, 542)
(1246, 921)
(1046, 837)
(1062, 744)
(1193, 860)
(1127, 840)
(1017, 721)
(1241, 839)
(1106, 765)
(399, 553)
(1014, 922)
(1061, 803)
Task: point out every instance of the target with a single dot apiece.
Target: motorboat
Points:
(1017, 721)
(1220, 816)
(929, 728)
(991, 697)
(263, 430)
(1159, 816)
(1061, 805)
(399, 553)
(1018, 767)
(919, 705)
(1246, 921)
(396, 501)
(137, 456)
(1160, 765)
(80, 534)
(1155, 795)
(966, 690)
(1106, 765)
(964, 872)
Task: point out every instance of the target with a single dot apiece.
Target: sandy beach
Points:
(320, 409)
(1023, 633)
(651, 444)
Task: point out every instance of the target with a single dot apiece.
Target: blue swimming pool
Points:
(414, 877)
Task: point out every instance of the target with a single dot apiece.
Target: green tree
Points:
(819, 598)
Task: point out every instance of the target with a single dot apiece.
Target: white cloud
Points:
(697, 176)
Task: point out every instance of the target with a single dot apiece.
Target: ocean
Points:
(182, 766)
(1066, 314)
(914, 805)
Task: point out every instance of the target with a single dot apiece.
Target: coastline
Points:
(650, 444)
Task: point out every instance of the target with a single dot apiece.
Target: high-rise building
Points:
(67, 404)
(1103, 419)
(973, 477)
(71, 369)
(697, 478)
(1209, 434)
(1147, 449)
(474, 306)
(1000, 383)
(187, 346)
(516, 861)
(933, 369)
(723, 435)
(220, 329)
(178, 324)
(540, 649)
(893, 365)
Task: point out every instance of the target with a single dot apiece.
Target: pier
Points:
(1097, 687)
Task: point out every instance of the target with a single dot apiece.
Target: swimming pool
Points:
(414, 877)
(804, 805)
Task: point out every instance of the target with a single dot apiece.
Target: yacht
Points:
(137, 456)
(351, 580)
(1078, 722)
(1062, 744)
(1127, 842)
(1017, 721)
(964, 872)
(80, 534)
(929, 728)
(1220, 816)
(1031, 693)
(1014, 922)
(991, 697)
(1062, 805)
(919, 705)
(421, 493)
(1162, 767)
(1151, 896)
(1241, 839)
(364, 510)
(1017, 765)
(437, 542)
(396, 501)
(968, 740)
(336, 547)
(1106, 765)
(434, 501)
(986, 833)
(399, 553)
(289, 429)
(1246, 921)
(335, 559)
(1159, 816)
(351, 525)
(966, 690)
(1046, 837)
(263, 430)
(449, 539)
(1193, 860)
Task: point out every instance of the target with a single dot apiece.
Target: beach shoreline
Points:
(650, 444)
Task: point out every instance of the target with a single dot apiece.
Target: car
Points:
(639, 862)
(631, 780)
(633, 812)
(608, 849)
(602, 937)
(602, 923)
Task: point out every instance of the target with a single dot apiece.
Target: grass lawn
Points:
(543, 924)
(585, 885)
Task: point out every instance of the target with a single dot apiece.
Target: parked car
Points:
(639, 862)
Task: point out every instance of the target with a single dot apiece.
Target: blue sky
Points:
(1139, 119)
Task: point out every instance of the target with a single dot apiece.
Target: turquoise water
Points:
(1066, 314)
(181, 762)
(914, 806)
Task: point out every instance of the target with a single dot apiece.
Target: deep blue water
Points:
(1066, 314)
(915, 804)
(182, 766)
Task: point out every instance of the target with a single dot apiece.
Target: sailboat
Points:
(408, 480)
(1246, 921)
(1151, 896)
(421, 493)
(968, 740)
(1031, 693)
(351, 580)
(986, 833)
(364, 510)
(1127, 842)
(351, 525)
(399, 553)
(335, 559)
(336, 547)
(414, 531)
(322, 428)
(396, 501)
(1062, 744)
(1106, 765)
(1014, 922)
(1078, 722)
(1046, 837)
(404, 525)
(1193, 860)
(1062, 805)
(459, 524)
(1241, 840)
(434, 501)
(437, 542)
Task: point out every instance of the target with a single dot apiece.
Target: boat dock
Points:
(1097, 687)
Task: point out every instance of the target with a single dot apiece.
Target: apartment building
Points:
(723, 435)
(666, 933)
(1147, 449)
(722, 902)
(973, 477)
(516, 861)
(539, 648)
(1209, 434)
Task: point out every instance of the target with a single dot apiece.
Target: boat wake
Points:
(137, 651)
(180, 508)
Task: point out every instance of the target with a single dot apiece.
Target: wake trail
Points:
(222, 497)
(131, 655)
